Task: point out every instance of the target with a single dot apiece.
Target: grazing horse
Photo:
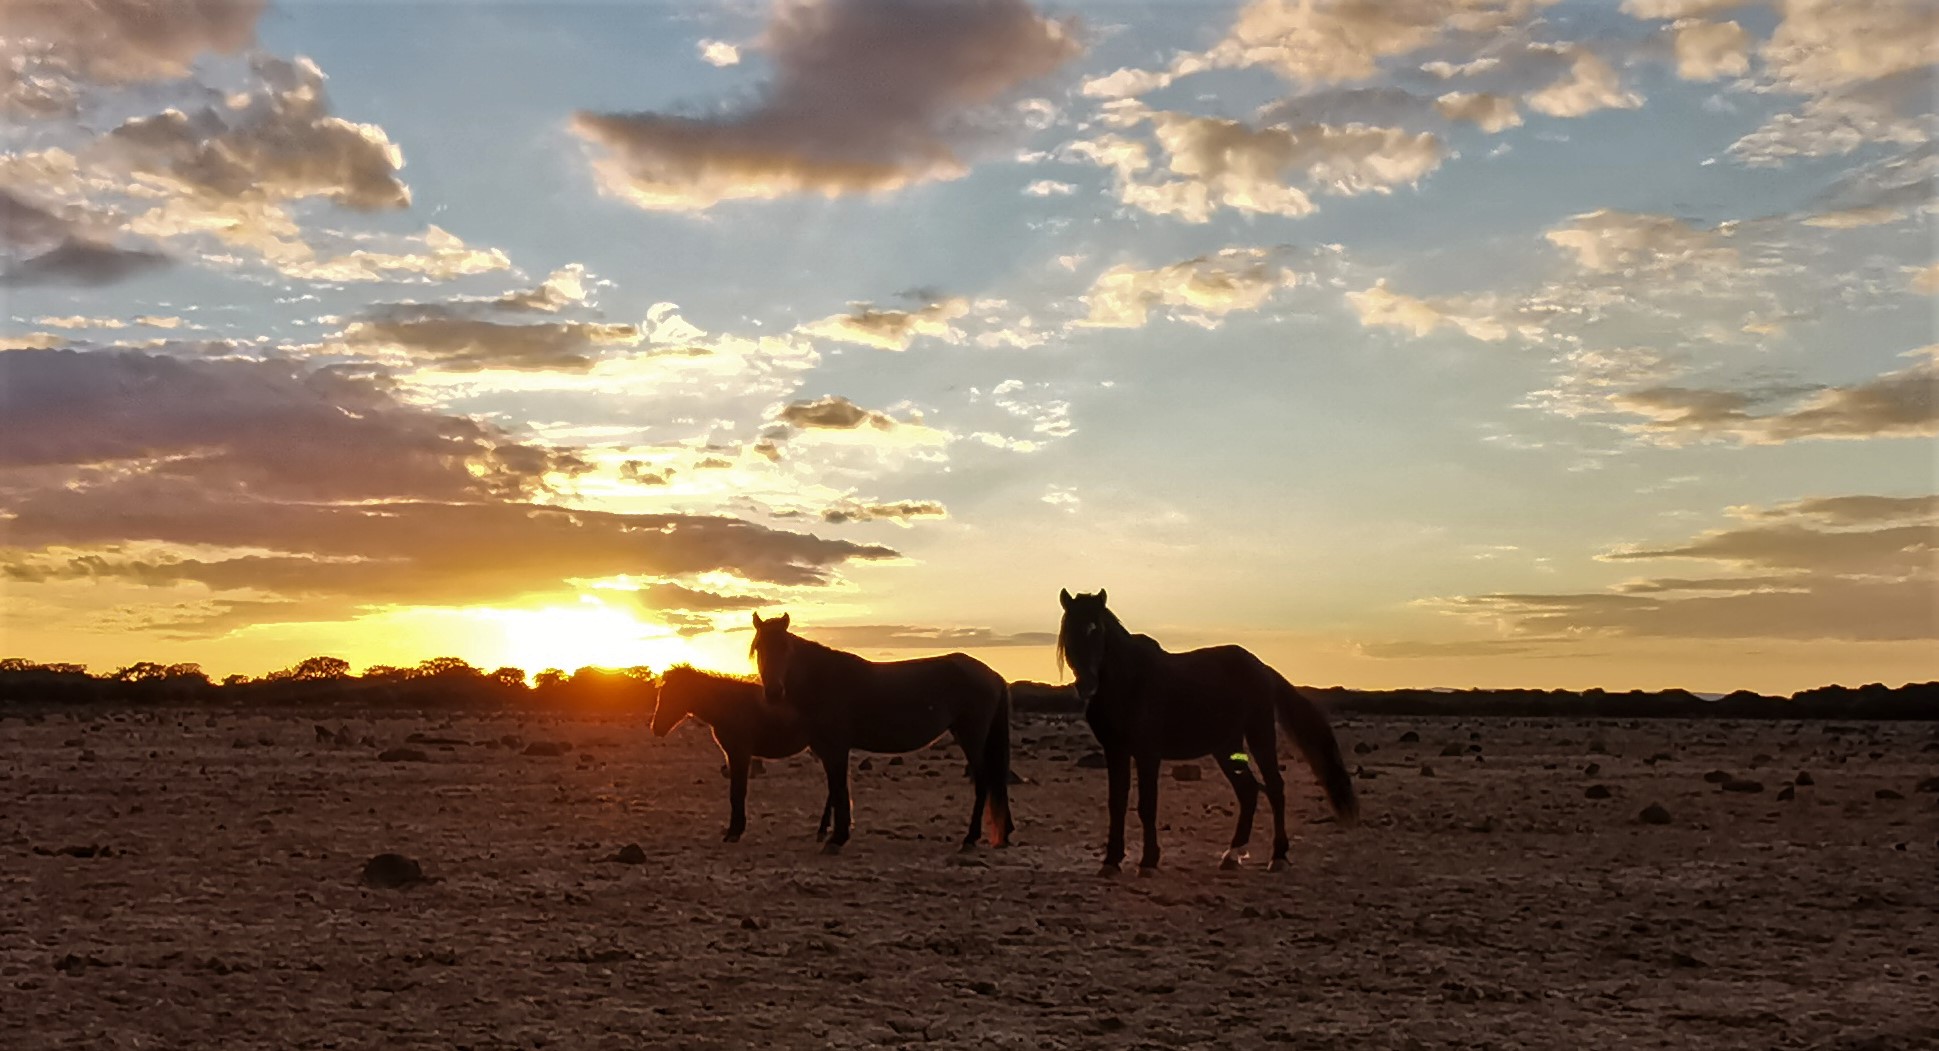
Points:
(1147, 705)
(846, 702)
(744, 727)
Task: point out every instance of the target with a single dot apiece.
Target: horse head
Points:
(1080, 639)
(771, 649)
(673, 700)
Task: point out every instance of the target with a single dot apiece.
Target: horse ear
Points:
(1063, 596)
(1100, 596)
(757, 621)
(783, 621)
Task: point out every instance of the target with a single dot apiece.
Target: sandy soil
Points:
(1489, 904)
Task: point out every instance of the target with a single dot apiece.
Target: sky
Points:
(1426, 343)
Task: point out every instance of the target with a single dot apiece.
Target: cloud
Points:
(868, 95)
(50, 43)
(1896, 404)
(639, 472)
(1201, 290)
(1380, 305)
(1708, 50)
(1823, 45)
(719, 53)
(565, 288)
(1232, 164)
(83, 263)
(1310, 43)
(1047, 416)
(1832, 126)
(670, 596)
(1926, 279)
(892, 329)
(833, 412)
(1049, 188)
(1491, 113)
(322, 490)
(1624, 242)
(899, 512)
(1866, 579)
(1410, 649)
(1590, 85)
(435, 255)
(438, 337)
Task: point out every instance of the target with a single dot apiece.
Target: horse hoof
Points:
(1276, 865)
(1228, 861)
(731, 837)
(968, 847)
(1147, 871)
(831, 848)
(1109, 870)
(821, 835)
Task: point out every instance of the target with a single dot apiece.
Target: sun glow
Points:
(591, 633)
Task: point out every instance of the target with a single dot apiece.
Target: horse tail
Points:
(1313, 735)
(996, 769)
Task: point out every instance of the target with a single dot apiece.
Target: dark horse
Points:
(846, 702)
(744, 726)
(1147, 705)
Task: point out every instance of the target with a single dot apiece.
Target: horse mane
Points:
(685, 670)
(1107, 619)
(823, 651)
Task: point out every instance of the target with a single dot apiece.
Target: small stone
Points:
(630, 854)
(1410, 737)
(983, 988)
(1362, 748)
(865, 765)
(324, 736)
(547, 748)
(1654, 814)
(389, 871)
(1592, 770)
(1485, 825)
(1187, 772)
(749, 923)
(1886, 793)
(1426, 770)
(404, 755)
(1718, 777)
(1017, 779)
(896, 760)
(1683, 959)
(1786, 794)
(1091, 761)
(1760, 759)
(1743, 785)
(1803, 780)
(1930, 784)
(1450, 751)
(1659, 757)
(1596, 792)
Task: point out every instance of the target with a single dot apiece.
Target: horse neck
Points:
(709, 696)
(814, 660)
(1123, 650)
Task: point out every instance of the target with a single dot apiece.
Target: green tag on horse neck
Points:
(1239, 757)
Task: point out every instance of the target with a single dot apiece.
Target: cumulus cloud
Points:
(1590, 85)
(1832, 126)
(719, 53)
(1201, 290)
(50, 44)
(565, 288)
(76, 261)
(892, 329)
(907, 636)
(440, 337)
(1626, 242)
(1218, 163)
(1708, 50)
(868, 95)
(1314, 43)
(1489, 112)
(900, 512)
(1823, 45)
(1896, 404)
(1926, 279)
(1853, 510)
(833, 412)
(1381, 305)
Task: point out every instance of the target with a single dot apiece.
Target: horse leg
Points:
(835, 764)
(1246, 787)
(827, 809)
(1118, 763)
(1265, 748)
(1148, 811)
(973, 752)
(737, 766)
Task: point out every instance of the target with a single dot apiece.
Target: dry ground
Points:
(1488, 904)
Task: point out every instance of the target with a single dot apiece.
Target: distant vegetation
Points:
(447, 682)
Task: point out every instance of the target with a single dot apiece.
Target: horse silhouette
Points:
(1147, 705)
(744, 726)
(846, 702)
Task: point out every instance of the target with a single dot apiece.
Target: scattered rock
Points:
(1426, 770)
(749, 923)
(1786, 794)
(1410, 737)
(1365, 774)
(1091, 761)
(896, 760)
(1654, 814)
(1684, 959)
(1760, 759)
(1450, 751)
(324, 735)
(1592, 770)
(1362, 748)
(390, 871)
(404, 755)
(983, 988)
(1187, 772)
(1659, 757)
(1930, 784)
(1718, 777)
(1803, 780)
(1486, 824)
(630, 854)
(1597, 792)
(757, 768)
(1886, 793)
(1743, 785)
(1598, 747)
(865, 765)
(1018, 779)
(510, 741)
(548, 748)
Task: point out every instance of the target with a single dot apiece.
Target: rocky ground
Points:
(194, 880)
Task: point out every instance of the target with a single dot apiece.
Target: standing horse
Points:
(846, 702)
(744, 727)
(1147, 705)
